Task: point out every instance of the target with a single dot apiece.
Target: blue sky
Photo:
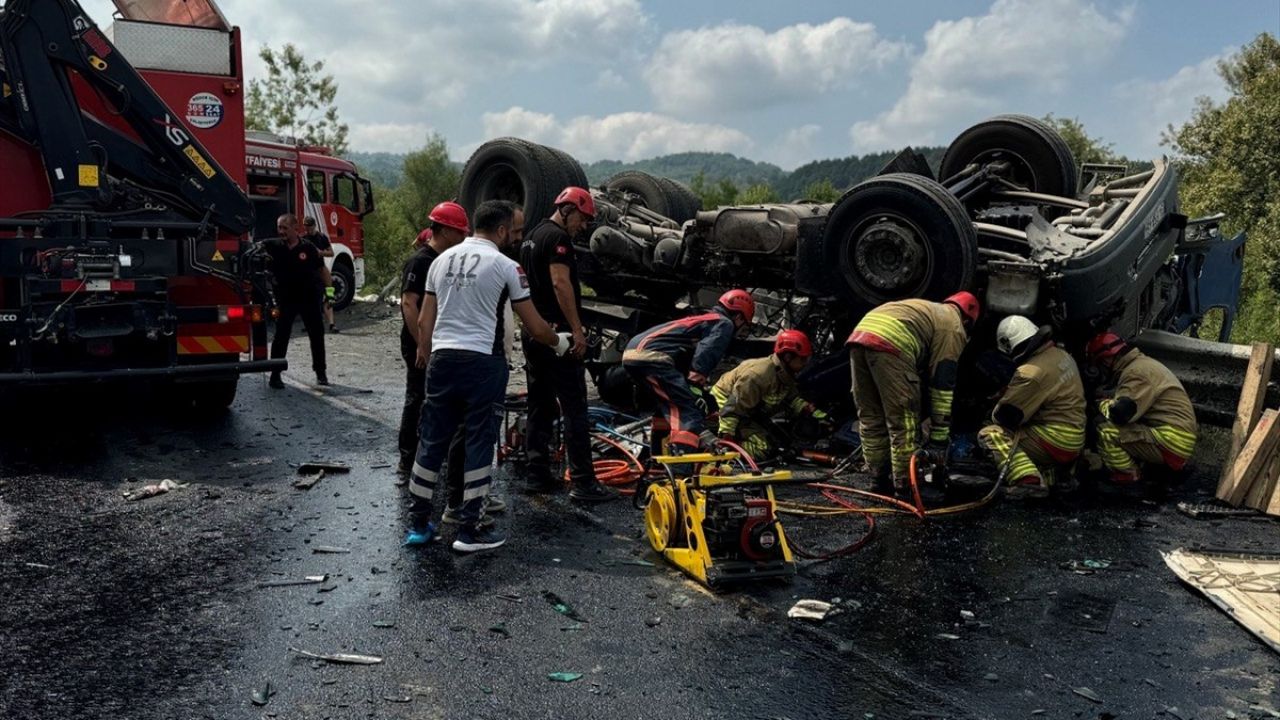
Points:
(786, 82)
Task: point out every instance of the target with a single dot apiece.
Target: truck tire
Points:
(684, 203)
(1039, 158)
(344, 283)
(523, 172)
(654, 193)
(899, 236)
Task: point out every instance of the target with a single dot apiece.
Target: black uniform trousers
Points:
(307, 305)
(557, 387)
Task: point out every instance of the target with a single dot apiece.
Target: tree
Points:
(1229, 156)
(721, 193)
(822, 191)
(295, 99)
(429, 178)
(758, 194)
(1086, 149)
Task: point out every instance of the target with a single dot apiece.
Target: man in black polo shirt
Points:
(295, 265)
(313, 235)
(549, 261)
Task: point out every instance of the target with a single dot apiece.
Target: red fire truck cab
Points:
(285, 176)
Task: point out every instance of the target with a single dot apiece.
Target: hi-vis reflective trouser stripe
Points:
(904, 444)
(1123, 447)
(1015, 463)
(212, 344)
(940, 411)
(728, 423)
(1064, 441)
(893, 331)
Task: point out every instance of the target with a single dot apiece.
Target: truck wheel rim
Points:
(888, 254)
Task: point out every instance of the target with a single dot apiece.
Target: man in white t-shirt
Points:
(461, 338)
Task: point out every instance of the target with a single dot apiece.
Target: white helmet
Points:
(1012, 332)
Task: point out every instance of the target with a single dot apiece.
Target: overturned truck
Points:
(1007, 214)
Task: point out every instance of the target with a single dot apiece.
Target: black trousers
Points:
(415, 391)
(557, 387)
(312, 312)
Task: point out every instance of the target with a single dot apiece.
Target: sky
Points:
(782, 82)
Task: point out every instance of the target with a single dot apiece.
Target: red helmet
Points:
(450, 214)
(793, 341)
(423, 238)
(579, 199)
(1105, 345)
(968, 305)
(741, 302)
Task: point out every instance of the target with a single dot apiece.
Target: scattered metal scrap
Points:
(1244, 585)
(339, 658)
(159, 488)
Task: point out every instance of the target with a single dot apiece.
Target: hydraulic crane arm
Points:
(42, 41)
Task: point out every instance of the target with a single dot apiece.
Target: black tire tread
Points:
(1068, 176)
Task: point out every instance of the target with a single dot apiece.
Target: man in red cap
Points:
(449, 227)
(891, 347)
(557, 385)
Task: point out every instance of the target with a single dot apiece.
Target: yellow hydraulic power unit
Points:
(719, 529)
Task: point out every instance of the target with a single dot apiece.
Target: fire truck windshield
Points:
(192, 13)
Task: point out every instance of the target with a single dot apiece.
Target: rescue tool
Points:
(718, 529)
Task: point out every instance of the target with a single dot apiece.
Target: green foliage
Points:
(844, 172)
(684, 166)
(714, 195)
(296, 99)
(428, 177)
(758, 194)
(822, 191)
(1229, 155)
(1086, 149)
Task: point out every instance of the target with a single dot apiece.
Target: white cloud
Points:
(1155, 105)
(622, 136)
(738, 67)
(388, 137)
(971, 66)
(610, 80)
(794, 148)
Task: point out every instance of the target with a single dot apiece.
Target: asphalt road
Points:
(156, 609)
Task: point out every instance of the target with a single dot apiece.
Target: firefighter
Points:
(449, 226)
(667, 359)
(296, 266)
(1039, 419)
(321, 241)
(461, 338)
(754, 392)
(1149, 418)
(889, 350)
(557, 385)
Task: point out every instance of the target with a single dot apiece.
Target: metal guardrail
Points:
(1212, 372)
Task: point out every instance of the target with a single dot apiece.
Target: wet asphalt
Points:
(169, 607)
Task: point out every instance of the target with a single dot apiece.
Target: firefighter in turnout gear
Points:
(665, 360)
(1039, 420)
(1148, 419)
(889, 350)
(757, 390)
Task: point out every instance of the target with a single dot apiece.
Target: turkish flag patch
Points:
(524, 279)
(302, 256)
(562, 250)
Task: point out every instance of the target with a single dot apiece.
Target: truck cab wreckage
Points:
(1007, 214)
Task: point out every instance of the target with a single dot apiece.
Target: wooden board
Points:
(1251, 463)
(1246, 587)
(1264, 485)
(1273, 505)
(1252, 396)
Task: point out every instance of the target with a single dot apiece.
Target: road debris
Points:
(653, 622)
(308, 580)
(307, 482)
(262, 695)
(1087, 694)
(510, 598)
(331, 468)
(816, 610)
(564, 677)
(679, 601)
(1242, 584)
(561, 606)
(339, 658)
(501, 629)
(329, 550)
(398, 698)
(383, 624)
(947, 636)
(159, 488)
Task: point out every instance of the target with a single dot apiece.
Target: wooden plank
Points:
(1262, 488)
(1273, 507)
(1253, 458)
(1252, 396)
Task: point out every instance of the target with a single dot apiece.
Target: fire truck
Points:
(287, 176)
(125, 229)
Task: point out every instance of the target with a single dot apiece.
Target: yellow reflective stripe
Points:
(1105, 408)
(1113, 455)
(1176, 440)
(940, 408)
(902, 453)
(1019, 464)
(893, 331)
(1066, 437)
(728, 423)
